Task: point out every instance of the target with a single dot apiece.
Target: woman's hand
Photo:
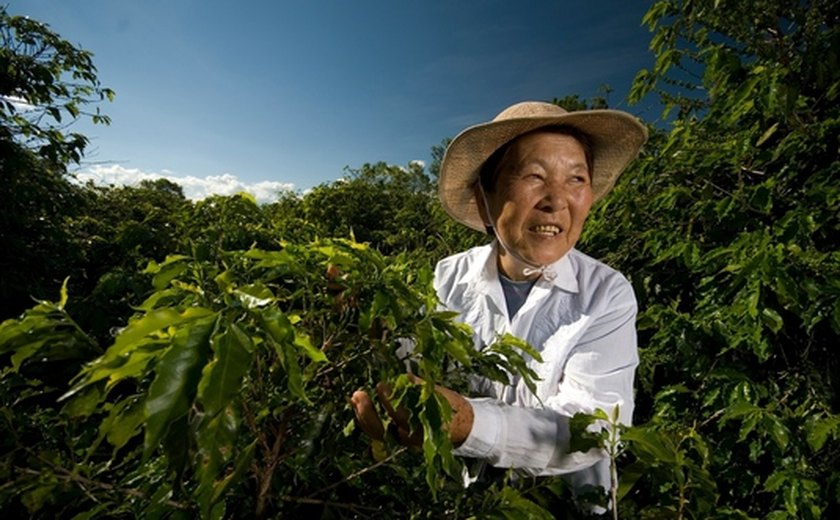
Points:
(371, 423)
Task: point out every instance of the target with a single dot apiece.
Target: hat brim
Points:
(616, 138)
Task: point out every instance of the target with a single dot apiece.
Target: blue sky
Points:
(263, 95)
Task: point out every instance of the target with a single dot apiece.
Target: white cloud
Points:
(20, 104)
(195, 188)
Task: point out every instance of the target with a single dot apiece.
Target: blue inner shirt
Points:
(515, 293)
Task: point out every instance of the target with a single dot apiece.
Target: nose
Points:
(554, 197)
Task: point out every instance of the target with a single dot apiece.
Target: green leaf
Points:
(254, 296)
(456, 349)
(650, 443)
(25, 352)
(277, 325)
(775, 481)
(149, 323)
(85, 403)
(772, 319)
(37, 497)
(216, 440)
(222, 378)
(293, 374)
(63, 300)
(55, 113)
(126, 424)
(767, 134)
(153, 267)
(303, 342)
(93, 512)
(629, 476)
(134, 366)
(156, 298)
(178, 372)
(270, 258)
(513, 506)
(242, 467)
(740, 409)
(349, 428)
(778, 431)
(167, 273)
(820, 430)
(581, 437)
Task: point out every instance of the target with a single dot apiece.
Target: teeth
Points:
(547, 229)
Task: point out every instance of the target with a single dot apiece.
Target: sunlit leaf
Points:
(304, 343)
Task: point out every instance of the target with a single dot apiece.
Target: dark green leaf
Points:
(222, 377)
(178, 372)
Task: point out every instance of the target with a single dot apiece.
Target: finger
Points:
(366, 415)
(412, 439)
(401, 426)
(400, 416)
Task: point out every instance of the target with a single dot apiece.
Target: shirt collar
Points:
(564, 278)
(485, 271)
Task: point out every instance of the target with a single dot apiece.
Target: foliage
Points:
(394, 208)
(45, 86)
(229, 359)
(115, 232)
(728, 228)
(37, 252)
(233, 373)
(45, 80)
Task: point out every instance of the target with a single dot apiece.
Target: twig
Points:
(711, 418)
(267, 473)
(307, 500)
(360, 472)
(69, 476)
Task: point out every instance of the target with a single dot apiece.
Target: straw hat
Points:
(616, 138)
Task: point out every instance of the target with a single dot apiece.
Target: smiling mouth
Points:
(546, 230)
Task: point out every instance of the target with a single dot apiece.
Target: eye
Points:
(579, 178)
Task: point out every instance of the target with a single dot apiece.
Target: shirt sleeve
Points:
(598, 373)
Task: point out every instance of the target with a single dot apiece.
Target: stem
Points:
(307, 500)
(614, 469)
(266, 475)
(360, 472)
(69, 476)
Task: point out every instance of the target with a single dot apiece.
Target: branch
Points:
(306, 500)
(360, 472)
(265, 476)
(68, 476)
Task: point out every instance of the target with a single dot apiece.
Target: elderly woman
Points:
(529, 178)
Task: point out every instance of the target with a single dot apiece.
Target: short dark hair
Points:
(489, 173)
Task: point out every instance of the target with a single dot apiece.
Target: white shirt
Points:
(583, 324)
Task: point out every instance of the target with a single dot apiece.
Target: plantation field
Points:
(168, 358)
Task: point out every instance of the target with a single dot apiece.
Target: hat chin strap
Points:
(532, 268)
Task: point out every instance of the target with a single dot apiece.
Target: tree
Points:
(47, 85)
(387, 206)
(116, 231)
(728, 227)
(223, 381)
(226, 394)
(36, 246)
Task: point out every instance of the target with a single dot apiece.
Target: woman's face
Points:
(540, 200)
